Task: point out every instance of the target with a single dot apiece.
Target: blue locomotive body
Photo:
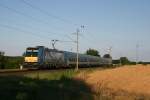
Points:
(49, 58)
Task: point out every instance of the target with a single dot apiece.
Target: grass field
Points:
(123, 83)
(53, 85)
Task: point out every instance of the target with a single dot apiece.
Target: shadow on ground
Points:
(23, 88)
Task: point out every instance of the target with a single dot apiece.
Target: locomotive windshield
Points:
(32, 52)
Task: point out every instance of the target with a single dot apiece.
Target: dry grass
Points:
(123, 83)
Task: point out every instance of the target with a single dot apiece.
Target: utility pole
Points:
(137, 53)
(120, 59)
(77, 65)
(110, 50)
(77, 41)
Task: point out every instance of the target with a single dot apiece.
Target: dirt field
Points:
(127, 79)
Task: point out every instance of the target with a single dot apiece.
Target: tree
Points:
(2, 53)
(107, 56)
(124, 61)
(2, 60)
(92, 52)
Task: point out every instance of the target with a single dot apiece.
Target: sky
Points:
(116, 24)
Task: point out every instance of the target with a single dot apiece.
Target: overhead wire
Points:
(91, 43)
(42, 31)
(28, 16)
(23, 14)
(31, 33)
(24, 31)
(48, 13)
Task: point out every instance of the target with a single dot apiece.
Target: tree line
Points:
(94, 52)
(7, 62)
(120, 61)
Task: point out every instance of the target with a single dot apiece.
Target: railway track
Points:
(15, 71)
(26, 71)
(11, 70)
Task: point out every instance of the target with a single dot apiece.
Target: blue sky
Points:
(120, 24)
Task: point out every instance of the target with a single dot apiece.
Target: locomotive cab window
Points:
(32, 53)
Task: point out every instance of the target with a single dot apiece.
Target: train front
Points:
(31, 57)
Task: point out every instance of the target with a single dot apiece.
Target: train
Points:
(43, 57)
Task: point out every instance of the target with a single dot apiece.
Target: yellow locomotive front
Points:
(31, 57)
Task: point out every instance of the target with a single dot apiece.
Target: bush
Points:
(8, 62)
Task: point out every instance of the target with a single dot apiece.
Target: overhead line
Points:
(47, 13)
(45, 31)
(28, 32)
(52, 33)
(23, 14)
(24, 31)
(20, 13)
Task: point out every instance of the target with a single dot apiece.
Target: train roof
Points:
(61, 51)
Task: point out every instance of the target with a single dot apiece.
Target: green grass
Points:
(52, 75)
(53, 85)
